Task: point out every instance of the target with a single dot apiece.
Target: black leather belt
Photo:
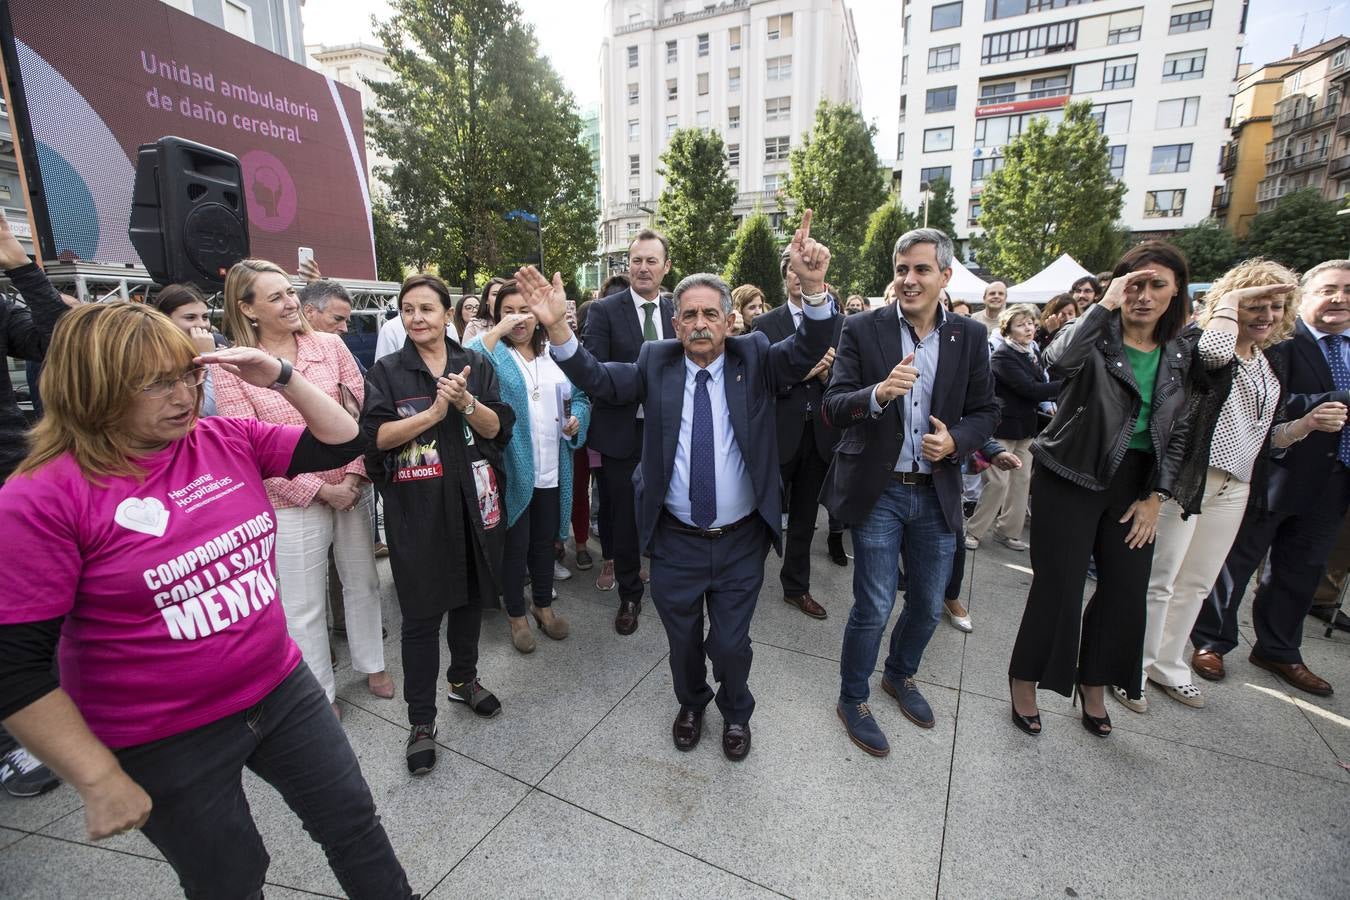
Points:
(912, 477)
(676, 525)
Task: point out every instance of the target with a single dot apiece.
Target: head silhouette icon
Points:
(268, 190)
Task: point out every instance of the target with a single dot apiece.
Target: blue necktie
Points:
(702, 459)
(1340, 378)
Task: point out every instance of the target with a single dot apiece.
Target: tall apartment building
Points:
(354, 65)
(1159, 74)
(753, 70)
(1242, 162)
(1308, 130)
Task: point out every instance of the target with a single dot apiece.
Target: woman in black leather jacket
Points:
(1104, 465)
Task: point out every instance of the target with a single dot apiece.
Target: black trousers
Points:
(1299, 544)
(617, 475)
(724, 574)
(803, 475)
(422, 656)
(958, 575)
(529, 547)
(1068, 524)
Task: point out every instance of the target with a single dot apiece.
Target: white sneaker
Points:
(1139, 706)
(561, 572)
(972, 543)
(1188, 694)
(1012, 543)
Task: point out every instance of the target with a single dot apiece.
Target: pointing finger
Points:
(806, 224)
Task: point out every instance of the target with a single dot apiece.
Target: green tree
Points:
(476, 124)
(942, 208)
(1210, 249)
(696, 202)
(754, 259)
(1300, 232)
(836, 173)
(390, 250)
(876, 259)
(1055, 194)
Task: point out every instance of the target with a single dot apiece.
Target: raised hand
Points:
(547, 301)
(899, 382)
(440, 404)
(808, 258)
(258, 367)
(458, 385)
(202, 339)
(508, 322)
(1115, 292)
(12, 254)
(938, 443)
(309, 271)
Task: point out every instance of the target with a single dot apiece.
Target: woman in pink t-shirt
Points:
(319, 510)
(145, 545)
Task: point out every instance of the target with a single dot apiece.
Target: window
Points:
(634, 195)
(1119, 73)
(973, 216)
(632, 93)
(633, 133)
(702, 45)
(938, 139)
(703, 118)
(982, 167)
(776, 149)
(904, 32)
(944, 59)
(777, 109)
(1163, 204)
(672, 52)
(992, 93)
(1050, 86)
(936, 173)
(672, 123)
(734, 79)
(1195, 20)
(1112, 118)
(632, 57)
(948, 15)
(634, 164)
(779, 26)
(1117, 156)
(733, 155)
(1001, 9)
(1125, 35)
(904, 70)
(1028, 42)
(633, 228)
(773, 182)
(672, 89)
(1181, 113)
(1170, 158)
(779, 68)
(734, 38)
(900, 146)
(995, 131)
(904, 106)
(1184, 66)
(702, 84)
(733, 118)
(940, 99)
(238, 19)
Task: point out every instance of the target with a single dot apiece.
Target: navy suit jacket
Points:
(963, 398)
(802, 400)
(755, 372)
(613, 334)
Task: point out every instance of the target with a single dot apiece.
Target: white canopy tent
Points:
(1055, 278)
(964, 284)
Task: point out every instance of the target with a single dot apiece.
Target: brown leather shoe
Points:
(688, 728)
(807, 604)
(626, 620)
(1296, 674)
(736, 741)
(1208, 665)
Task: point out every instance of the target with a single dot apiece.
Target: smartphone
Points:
(306, 256)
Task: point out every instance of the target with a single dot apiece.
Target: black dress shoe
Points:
(735, 741)
(688, 728)
(1332, 616)
(626, 620)
(835, 544)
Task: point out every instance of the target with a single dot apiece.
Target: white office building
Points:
(753, 70)
(1160, 76)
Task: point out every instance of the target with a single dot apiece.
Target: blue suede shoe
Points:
(912, 704)
(862, 728)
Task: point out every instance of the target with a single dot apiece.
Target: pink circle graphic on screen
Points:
(270, 191)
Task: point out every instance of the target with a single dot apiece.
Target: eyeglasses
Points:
(191, 379)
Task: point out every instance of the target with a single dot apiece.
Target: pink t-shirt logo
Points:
(144, 514)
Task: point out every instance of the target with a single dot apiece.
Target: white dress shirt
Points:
(663, 328)
(735, 492)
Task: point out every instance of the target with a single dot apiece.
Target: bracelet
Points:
(284, 378)
(815, 299)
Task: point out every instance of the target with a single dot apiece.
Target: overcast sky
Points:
(569, 34)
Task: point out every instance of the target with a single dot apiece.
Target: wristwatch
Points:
(284, 378)
(468, 410)
(1163, 496)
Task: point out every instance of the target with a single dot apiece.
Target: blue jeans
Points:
(909, 515)
(201, 820)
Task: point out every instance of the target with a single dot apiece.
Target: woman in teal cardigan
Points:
(551, 420)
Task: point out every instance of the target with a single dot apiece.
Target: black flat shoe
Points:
(1098, 725)
(735, 741)
(1024, 722)
(688, 728)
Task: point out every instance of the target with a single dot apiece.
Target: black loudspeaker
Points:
(189, 221)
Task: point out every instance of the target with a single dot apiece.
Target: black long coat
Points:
(432, 513)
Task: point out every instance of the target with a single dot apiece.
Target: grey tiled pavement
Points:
(576, 791)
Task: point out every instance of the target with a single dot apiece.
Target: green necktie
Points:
(649, 323)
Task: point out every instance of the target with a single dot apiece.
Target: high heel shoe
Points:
(1023, 722)
(1098, 725)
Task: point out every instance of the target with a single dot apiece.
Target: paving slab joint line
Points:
(476, 843)
(956, 724)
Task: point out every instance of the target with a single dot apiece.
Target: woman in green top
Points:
(1104, 465)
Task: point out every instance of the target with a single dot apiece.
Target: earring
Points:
(253, 322)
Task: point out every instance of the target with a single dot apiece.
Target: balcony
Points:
(1343, 124)
(1338, 166)
(1222, 198)
(1309, 160)
(1295, 124)
(1228, 158)
(706, 13)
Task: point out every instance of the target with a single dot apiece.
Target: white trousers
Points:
(303, 538)
(1003, 502)
(1187, 557)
